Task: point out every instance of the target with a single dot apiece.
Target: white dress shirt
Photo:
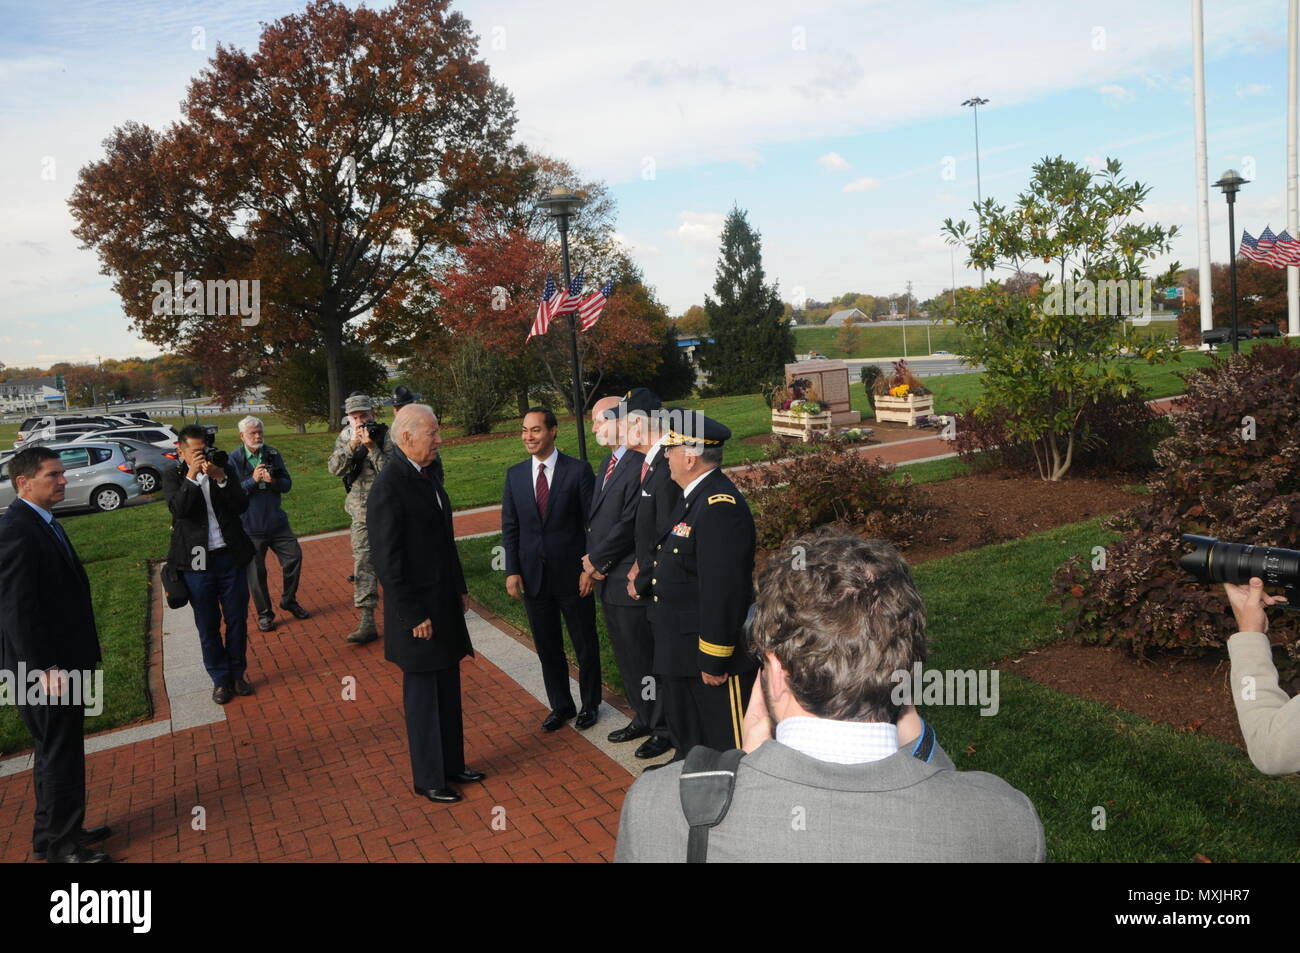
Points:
(215, 539)
(550, 470)
(839, 742)
(690, 487)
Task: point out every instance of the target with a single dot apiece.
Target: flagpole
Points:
(1202, 168)
(1292, 191)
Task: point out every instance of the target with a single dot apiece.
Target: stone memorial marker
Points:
(830, 380)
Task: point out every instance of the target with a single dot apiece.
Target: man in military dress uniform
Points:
(702, 586)
(358, 457)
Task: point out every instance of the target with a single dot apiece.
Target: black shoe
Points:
(653, 747)
(632, 732)
(586, 718)
(440, 795)
(242, 687)
(87, 837)
(555, 720)
(266, 623)
(468, 776)
(294, 609)
(222, 694)
(81, 855)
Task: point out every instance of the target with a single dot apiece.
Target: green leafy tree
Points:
(849, 337)
(298, 388)
(751, 339)
(1044, 362)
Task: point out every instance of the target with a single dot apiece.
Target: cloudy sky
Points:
(835, 123)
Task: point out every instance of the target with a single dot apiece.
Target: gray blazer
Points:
(788, 807)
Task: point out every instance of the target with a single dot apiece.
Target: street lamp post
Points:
(562, 203)
(975, 103)
(1230, 182)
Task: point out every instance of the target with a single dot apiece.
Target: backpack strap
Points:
(707, 782)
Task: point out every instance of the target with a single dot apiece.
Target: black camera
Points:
(376, 430)
(213, 455)
(1214, 560)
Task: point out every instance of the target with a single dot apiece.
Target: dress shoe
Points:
(222, 694)
(87, 837)
(632, 732)
(586, 718)
(242, 687)
(555, 720)
(81, 855)
(296, 610)
(468, 776)
(265, 623)
(440, 795)
(653, 747)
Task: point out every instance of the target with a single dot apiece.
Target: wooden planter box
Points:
(802, 426)
(904, 410)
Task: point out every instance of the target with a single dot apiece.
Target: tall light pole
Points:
(975, 103)
(1230, 182)
(561, 203)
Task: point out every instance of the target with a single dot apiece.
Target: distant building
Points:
(33, 395)
(838, 319)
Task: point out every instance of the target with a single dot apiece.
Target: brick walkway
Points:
(297, 773)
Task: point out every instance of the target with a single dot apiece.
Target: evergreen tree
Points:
(751, 338)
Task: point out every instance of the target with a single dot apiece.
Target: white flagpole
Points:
(1292, 197)
(1202, 173)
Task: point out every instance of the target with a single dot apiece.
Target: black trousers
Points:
(700, 714)
(289, 553)
(435, 731)
(59, 775)
(544, 612)
(634, 650)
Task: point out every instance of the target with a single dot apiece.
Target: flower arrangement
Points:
(797, 397)
(900, 383)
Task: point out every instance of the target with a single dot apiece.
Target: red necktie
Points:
(644, 468)
(543, 491)
(609, 470)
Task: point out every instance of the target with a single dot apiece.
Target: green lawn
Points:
(883, 340)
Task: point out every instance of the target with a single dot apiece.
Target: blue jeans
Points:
(222, 590)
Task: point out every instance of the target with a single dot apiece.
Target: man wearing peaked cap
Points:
(701, 589)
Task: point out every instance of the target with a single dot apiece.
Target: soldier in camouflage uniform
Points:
(357, 456)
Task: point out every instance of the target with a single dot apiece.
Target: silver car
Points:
(160, 435)
(150, 462)
(100, 476)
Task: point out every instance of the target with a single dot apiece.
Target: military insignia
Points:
(681, 529)
(722, 498)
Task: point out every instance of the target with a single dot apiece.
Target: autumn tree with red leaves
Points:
(340, 157)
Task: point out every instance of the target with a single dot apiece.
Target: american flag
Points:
(591, 307)
(1265, 247)
(1286, 251)
(542, 322)
(1250, 248)
(567, 303)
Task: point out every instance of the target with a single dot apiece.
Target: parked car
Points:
(63, 433)
(159, 435)
(99, 475)
(150, 462)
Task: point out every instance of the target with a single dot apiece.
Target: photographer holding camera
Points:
(210, 549)
(360, 452)
(261, 473)
(1270, 720)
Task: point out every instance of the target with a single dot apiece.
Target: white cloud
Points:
(1094, 163)
(1252, 89)
(833, 161)
(1119, 94)
(864, 184)
(702, 229)
(637, 249)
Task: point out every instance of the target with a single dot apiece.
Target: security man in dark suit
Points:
(544, 508)
(413, 547)
(611, 553)
(47, 626)
(702, 586)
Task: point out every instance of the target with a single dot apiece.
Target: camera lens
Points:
(1213, 560)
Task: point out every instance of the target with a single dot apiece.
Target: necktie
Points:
(63, 537)
(427, 473)
(543, 490)
(609, 470)
(644, 468)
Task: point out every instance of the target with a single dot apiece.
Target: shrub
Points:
(828, 483)
(1231, 469)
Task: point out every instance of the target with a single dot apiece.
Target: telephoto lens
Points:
(1213, 560)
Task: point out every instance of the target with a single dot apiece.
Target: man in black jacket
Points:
(544, 508)
(211, 549)
(264, 478)
(47, 628)
(413, 547)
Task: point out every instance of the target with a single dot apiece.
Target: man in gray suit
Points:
(849, 774)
